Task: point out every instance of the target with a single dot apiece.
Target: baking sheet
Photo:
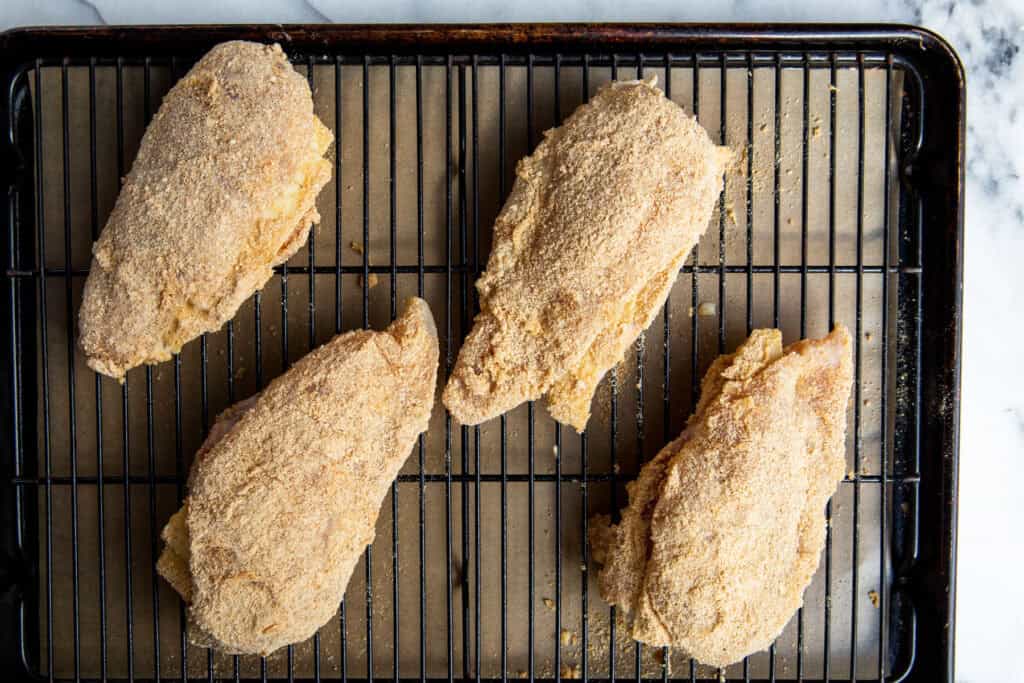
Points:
(362, 189)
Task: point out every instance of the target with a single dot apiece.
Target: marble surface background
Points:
(989, 35)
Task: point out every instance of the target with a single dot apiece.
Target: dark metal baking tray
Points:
(849, 208)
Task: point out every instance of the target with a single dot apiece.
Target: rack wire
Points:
(818, 224)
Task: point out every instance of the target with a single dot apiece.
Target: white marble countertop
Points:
(988, 35)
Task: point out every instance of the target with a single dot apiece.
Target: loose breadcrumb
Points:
(570, 671)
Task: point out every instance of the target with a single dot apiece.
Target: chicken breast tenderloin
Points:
(725, 526)
(223, 188)
(599, 221)
(284, 496)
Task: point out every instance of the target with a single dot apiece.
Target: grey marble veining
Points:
(988, 35)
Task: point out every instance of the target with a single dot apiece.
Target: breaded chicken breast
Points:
(284, 495)
(223, 188)
(725, 526)
(600, 219)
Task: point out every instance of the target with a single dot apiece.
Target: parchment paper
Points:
(153, 615)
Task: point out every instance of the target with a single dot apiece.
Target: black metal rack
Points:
(912, 485)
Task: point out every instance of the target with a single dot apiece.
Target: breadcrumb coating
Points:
(223, 188)
(599, 221)
(284, 495)
(725, 526)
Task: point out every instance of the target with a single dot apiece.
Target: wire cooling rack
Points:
(845, 205)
